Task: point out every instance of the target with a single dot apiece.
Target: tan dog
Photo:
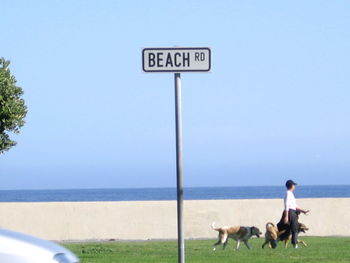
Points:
(301, 228)
(271, 235)
(238, 233)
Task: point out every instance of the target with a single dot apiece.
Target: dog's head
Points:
(273, 243)
(302, 228)
(255, 231)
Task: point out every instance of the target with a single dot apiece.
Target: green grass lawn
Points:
(320, 250)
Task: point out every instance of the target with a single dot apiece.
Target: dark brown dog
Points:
(301, 229)
(272, 235)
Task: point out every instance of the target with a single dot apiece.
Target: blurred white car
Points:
(20, 248)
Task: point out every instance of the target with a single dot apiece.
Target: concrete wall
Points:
(157, 219)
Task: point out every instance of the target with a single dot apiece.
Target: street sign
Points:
(175, 59)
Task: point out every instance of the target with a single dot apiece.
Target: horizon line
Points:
(160, 187)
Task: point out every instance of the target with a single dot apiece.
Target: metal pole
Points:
(178, 127)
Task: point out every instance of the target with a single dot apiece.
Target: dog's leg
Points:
(267, 242)
(302, 242)
(217, 243)
(220, 241)
(246, 244)
(286, 243)
(224, 240)
(238, 243)
(225, 244)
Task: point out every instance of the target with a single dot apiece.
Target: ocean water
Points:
(191, 193)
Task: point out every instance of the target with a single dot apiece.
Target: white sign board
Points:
(176, 59)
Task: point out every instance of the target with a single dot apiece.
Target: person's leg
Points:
(293, 221)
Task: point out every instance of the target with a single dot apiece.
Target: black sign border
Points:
(176, 48)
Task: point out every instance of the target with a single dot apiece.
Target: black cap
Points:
(289, 183)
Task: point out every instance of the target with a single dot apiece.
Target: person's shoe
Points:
(295, 246)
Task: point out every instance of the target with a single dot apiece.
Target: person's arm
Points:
(286, 208)
(303, 210)
(285, 220)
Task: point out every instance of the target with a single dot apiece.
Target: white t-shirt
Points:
(289, 201)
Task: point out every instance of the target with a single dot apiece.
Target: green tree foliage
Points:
(12, 107)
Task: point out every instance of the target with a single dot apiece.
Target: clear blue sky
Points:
(275, 106)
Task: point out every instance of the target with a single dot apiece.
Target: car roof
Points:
(12, 242)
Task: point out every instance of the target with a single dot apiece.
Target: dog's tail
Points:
(213, 227)
(269, 225)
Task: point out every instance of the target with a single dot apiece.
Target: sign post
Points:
(177, 60)
(179, 188)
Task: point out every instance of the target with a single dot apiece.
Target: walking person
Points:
(289, 221)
